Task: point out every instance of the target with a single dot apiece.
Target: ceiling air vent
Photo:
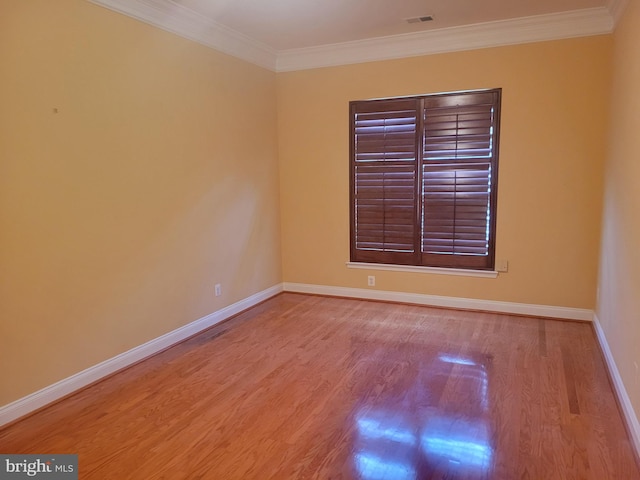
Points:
(426, 18)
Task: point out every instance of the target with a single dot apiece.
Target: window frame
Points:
(417, 258)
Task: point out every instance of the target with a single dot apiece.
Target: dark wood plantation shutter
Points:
(459, 175)
(384, 173)
(423, 180)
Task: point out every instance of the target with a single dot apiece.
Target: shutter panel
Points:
(423, 178)
(458, 179)
(383, 181)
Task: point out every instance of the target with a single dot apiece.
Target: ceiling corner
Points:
(188, 24)
(616, 9)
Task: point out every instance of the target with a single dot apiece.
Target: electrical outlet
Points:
(502, 265)
(371, 281)
(218, 289)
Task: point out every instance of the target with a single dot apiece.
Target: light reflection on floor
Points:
(404, 445)
(373, 467)
(465, 443)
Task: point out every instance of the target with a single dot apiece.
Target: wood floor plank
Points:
(308, 387)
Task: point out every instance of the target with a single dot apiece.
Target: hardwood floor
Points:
(304, 387)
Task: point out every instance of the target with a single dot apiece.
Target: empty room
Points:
(302, 239)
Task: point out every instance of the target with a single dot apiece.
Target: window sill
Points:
(434, 270)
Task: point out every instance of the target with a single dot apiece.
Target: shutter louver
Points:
(384, 181)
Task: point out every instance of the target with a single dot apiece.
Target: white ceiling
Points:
(288, 24)
(285, 35)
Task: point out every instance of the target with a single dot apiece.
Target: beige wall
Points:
(619, 280)
(156, 179)
(554, 106)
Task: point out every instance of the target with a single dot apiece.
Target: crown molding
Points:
(186, 23)
(579, 23)
(616, 9)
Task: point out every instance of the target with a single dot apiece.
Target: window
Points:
(423, 180)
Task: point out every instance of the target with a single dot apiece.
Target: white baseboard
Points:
(450, 302)
(39, 399)
(629, 413)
